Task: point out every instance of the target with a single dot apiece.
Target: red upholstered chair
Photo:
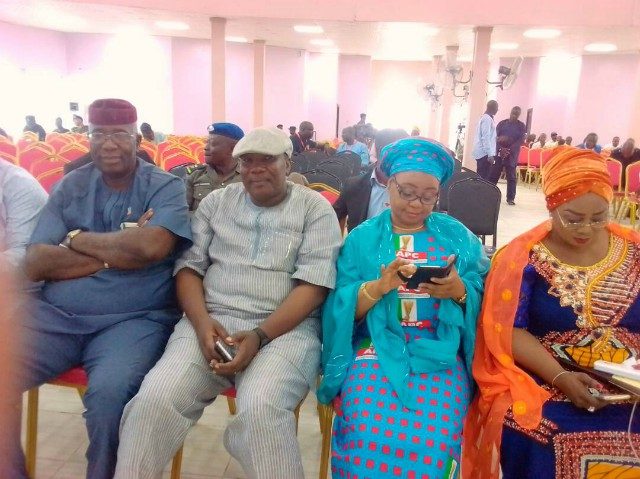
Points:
(615, 171)
(77, 378)
(41, 167)
(59, 140)
(329, 193)
(523, 162)
(151, 149)
(73, 151)
(33, 152)
(533, 167)
(8, 152)
(49, 178)
(175, 157)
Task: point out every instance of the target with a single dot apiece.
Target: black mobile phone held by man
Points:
(424, 274)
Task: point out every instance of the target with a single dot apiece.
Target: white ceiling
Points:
(381, 40)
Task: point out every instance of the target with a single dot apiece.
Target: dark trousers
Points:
(510, 169)
(484, 167)
(116, 360)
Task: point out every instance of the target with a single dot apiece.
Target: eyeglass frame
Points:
(110, 136)
(576, 226)
(414, 196)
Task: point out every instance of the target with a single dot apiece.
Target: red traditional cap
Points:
(112, 111)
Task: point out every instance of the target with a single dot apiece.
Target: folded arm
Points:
(55, 263)
(129, 249)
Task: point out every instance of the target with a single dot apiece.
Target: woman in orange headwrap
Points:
(565, 291)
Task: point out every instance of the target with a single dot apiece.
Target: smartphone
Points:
(609, 397)
(226, 351)
(424, 274)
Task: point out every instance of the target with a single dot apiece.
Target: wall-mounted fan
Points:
(508, 75)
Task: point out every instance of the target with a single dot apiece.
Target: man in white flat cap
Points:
(262, 262)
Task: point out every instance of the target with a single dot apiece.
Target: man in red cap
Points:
(104, 248)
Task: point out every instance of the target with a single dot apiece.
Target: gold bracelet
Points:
(363, 288)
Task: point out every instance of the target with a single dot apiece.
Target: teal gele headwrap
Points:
(417, 154)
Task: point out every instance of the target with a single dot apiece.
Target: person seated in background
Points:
(33, 127)
(262, 262)
(149, 135)
(554, 140)
(626, 155)
(568, 140)
(565, 292)
(415, 131)
(78, 125)
(302, 140)
(542, 141)
(292, 130)
(397, 359)
(3, 133)
(220, 168)
(349, 143)
(590, 143)
(88, 158)
(615, 143)
(531, 139)
(561, 141)
(104, 245)
(21, 200)
(280, 126)
(59, 127)
(366, 196)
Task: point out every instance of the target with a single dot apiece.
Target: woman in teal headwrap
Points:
(397, 361)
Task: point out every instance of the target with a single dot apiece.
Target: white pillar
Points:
(259, 55)
(478, 92)
(218, 63)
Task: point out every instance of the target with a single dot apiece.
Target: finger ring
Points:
(591, 409)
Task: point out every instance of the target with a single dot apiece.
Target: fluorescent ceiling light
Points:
(322, 42)
(600, 47)
(236, 39)
(542, 33)
(308, 29)
(171, 25)
(504, 46)
(332, 51)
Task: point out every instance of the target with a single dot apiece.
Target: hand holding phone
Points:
(424, 274)
(226, 351)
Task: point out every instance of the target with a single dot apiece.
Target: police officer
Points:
(220, 167)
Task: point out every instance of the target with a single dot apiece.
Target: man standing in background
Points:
(484, 145)
(510, 137)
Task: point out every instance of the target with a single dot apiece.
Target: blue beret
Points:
(418, 154)
(226, 129)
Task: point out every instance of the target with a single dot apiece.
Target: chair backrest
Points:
(150, 148)
(329, 193)
(464, 173)
(49, 178)
(523, 156)
(535, 157)
(351, 160)
(476, 204)
(633, 178)
(615, 172)
(324, 177)
(545, 156)
(73, 151)
(41, 167)
(175, 158)
(8, 152)
(32, 152)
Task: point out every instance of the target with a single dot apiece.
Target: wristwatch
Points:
(462, 299)
(66, 242)
(264, 339)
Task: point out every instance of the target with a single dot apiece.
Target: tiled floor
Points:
(62, 438)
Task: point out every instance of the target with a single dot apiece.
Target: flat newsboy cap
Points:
(265, 141)
(112, 111)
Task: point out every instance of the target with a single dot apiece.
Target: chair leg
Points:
(327, 422)
(32, 432)
(176, 464)
(231, 402)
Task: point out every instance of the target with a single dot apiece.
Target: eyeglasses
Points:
(119, 137)
(576, 225)
(410, 196)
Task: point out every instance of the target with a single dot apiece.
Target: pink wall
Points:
(284, 87)
(321, 93)
(577, 95)
(191, 73)
(354, 83)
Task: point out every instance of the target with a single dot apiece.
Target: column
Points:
(478, 92)
(634, 126)
(447, 103)
(259, 54)
(436, 115)
(218, 62)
